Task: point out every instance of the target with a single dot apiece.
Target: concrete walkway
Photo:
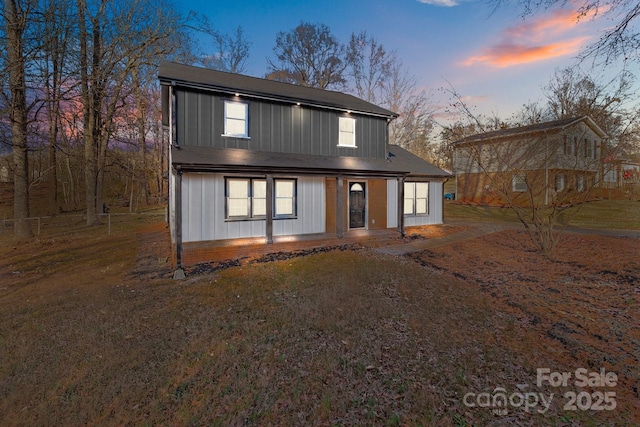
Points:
(483, 229)
(474, 230)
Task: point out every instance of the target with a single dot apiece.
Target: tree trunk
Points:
(14, 28)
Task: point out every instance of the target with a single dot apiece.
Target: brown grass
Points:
(93, 332)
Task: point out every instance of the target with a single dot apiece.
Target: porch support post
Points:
(269, 224)
(401, 205)
(340, 207)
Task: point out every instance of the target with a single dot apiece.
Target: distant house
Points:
(552, 159)
(254, 158)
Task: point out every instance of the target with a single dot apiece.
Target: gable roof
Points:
(521, 131)
(206, 79)
(207, 159)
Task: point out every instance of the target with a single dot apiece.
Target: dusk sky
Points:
(497, 61)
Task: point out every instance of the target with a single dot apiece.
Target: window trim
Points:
(250, 182)
(414, 198)
(250, 195)
(353, 120)
(294, 199)
(226, 133)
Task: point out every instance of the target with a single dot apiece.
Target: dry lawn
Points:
(93, 332)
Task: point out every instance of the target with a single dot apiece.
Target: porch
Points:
(221, 250)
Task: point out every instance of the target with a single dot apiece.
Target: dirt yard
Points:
(94, 331)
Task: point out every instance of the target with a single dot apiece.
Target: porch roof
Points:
(205, 159)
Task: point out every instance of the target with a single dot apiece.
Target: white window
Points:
(416, 198)
(580, 182)
(246, 198)
(259, 198)
(236, 119)
(560, 182)
(347, 132)
(519, 183)
(285, 198)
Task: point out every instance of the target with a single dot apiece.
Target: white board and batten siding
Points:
(203, 211)
(436, 205)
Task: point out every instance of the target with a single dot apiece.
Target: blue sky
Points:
(497, 61)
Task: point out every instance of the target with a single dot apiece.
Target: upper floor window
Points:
(416, 198)
(347, 132)
(589, 149)
(570, 145)
(236, 119)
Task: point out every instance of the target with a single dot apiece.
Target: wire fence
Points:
(60, 224)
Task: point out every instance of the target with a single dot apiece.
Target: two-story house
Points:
(254, 158)
(543, 162)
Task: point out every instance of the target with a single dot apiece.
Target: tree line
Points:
(80, 104)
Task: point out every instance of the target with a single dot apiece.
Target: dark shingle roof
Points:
(189, 76)
(400, 162)
(555, 125)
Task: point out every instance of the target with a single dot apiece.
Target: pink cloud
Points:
(534, 40)
(510, 54)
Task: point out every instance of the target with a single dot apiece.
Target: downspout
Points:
(179, 272)
(401, 205)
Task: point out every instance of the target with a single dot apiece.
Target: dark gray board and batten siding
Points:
(275, 127)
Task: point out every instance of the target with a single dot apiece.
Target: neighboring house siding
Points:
(275, 127)
(203, 204)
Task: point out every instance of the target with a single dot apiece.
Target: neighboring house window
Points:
(236, 119)
(519, 183)
(285, 197)
(246, 198)
(560, 182)
(570, 146)
(347, 132)
(580, 182)
(589, 149)
(416, 198)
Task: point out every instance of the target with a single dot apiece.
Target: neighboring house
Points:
(553, 160)
(254, 158)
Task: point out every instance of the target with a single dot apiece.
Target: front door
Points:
(357, 204)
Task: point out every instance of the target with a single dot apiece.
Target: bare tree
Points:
(57, 31)
(401, 94)
(370, 66)
(308, 55)
(115, 37)
(231, 52)
(620, 41)
(540, 175)
(15, 27)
